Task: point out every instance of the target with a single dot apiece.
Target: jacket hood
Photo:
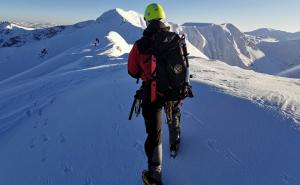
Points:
(154, 26)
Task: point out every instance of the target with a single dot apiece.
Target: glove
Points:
(188, 91)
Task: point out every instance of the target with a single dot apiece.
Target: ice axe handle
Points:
(132, 109)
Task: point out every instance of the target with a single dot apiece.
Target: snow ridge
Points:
(66, 112)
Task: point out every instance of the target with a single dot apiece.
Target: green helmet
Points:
(154, 11)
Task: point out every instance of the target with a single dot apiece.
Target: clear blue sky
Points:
(246, 14)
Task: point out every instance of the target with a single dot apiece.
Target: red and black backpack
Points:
(172, 68)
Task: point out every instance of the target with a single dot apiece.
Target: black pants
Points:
(152, 113)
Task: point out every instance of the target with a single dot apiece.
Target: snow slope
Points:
(64, 120)
(14, 60)
(71, 127)
(275, 92)
(281, 58)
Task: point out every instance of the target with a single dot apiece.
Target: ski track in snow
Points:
(194, 118)
(213, 145)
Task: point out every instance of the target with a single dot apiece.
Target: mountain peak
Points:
(228, 25)
(121, 16)
(231, 28)
(266, 29)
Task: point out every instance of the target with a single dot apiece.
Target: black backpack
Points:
(172, 67)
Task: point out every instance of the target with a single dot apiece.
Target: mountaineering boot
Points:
(174, 139)
(148, 179)
(174, 148)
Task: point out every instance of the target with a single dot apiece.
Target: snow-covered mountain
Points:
(122, 21)
(275, 53)
(281, 58)
(14, 35)
(223, 42)
(65, 113)
(255, 50)
(68, 37)
(34, 25)
(268, 34)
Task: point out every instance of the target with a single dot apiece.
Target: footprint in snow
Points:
(29, 113)
(52, 100)
(44, 159)
(121, 107)
(139, 147)
(32, 143)
(36, 124)
(212, 145)
(35, 104)
(62, 138)
(44, 138)
(40, 112)
(47, 182)
(30, 96)
(45, 122)
(289, 180)
(117, 129)
(88, 181)
(67, 169)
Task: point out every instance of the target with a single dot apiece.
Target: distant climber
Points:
(159, 58)
(97, 42)
(119, 48)
(124, 21)
(43, 53)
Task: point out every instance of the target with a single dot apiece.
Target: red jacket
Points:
(142, 65)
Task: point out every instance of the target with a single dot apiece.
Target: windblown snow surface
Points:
(64, 121)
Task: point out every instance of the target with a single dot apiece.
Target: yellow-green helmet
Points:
(154, 11)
